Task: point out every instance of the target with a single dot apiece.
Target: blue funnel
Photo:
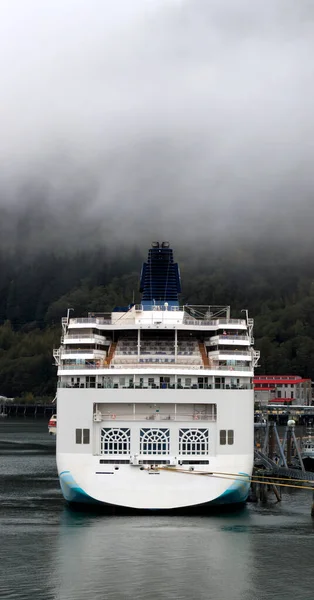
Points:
(160, 277)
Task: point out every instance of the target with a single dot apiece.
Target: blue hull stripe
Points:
(237, 493)
(72, 492)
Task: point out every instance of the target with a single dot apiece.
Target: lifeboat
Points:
(52, 425)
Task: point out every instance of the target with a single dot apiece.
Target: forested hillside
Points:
(35, 293)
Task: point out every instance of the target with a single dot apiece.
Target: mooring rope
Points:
(239, 477)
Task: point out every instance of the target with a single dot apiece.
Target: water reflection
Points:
(151, 557)
(52, 553)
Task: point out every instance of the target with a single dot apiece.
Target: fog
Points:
(127, 120)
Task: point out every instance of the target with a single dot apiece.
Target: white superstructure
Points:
(155, 403)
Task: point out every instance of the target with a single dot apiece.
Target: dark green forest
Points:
(35, 293)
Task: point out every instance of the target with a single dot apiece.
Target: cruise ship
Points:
(155, 400)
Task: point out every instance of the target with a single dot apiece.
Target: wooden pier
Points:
(272, 475)
(12, 409)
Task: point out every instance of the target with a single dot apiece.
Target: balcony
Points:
(98, 417)
(152, 367)
(233, 340)
(234, 368)
(68, 353)
(84, 338)
(92, 320)
(215, 323)
(232, 355)
(135, 361)
(164, 386)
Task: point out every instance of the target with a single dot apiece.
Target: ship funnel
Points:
(160, 279)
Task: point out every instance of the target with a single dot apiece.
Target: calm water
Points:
(49, 552)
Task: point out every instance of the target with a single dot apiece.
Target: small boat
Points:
(308, 449)
(307, 452)
(52, 425)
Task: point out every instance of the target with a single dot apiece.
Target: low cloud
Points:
(183, 119)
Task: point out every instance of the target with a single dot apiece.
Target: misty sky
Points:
(140, 119)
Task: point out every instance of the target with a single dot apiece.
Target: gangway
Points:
(273, 469)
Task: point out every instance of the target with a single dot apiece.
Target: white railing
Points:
(132, 366)
(56, 355)
(94, 351)
(181, 360)
(213, 323)
(160, 366)
(84, 336)
(232, 368)
(187, 320)
(222, 338)
(231, 321)
(217, 352)
(159, 308)
(116, 386)
(168, 353)
(99, 320)
(154, 417)
(82, 366)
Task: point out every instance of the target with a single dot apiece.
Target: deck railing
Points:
(212, 323)
(187, 320)
(94, 351)
(153, 366)
(216, 386)
(84, 336)
(98, 320)
(154, 417)
(222, 337)
(243, 352)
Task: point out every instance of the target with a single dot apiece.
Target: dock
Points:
(13, 409)
(271, 475)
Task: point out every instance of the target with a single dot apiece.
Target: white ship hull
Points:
(83, 480)
(155, 401)
(88, 476)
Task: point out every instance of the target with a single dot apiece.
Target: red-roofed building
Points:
(285, 389)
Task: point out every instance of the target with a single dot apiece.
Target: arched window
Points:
(115, 441)
(154, 441)
(193, 441)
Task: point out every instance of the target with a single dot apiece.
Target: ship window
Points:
(85, 436)
(226, 437)
(115, 440)
(193, 441)
(188, 382)
(90, 381)
(151, 381)
(78, 436)
(154, 441)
